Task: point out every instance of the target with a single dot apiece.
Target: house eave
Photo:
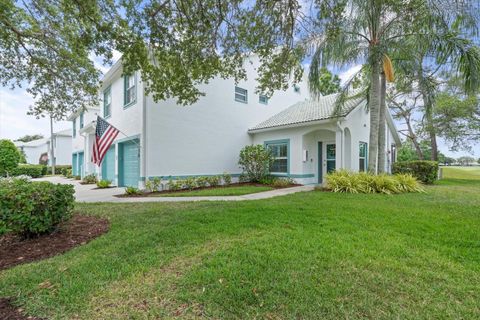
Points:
(297, 125)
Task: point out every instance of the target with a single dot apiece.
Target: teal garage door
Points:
(80, 171)
(74, 164)
(108, 165)
(128, 164)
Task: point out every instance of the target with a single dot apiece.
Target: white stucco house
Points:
(62, 143)
(164, 139)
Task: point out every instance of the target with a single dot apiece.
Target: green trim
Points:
(320, 162)
(294, 175)
(281, 141)
(81, 120)
(125, 104)
(109, 90)
(137, 136)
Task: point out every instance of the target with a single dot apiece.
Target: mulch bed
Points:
(77, 231)
(232, 185)
(9, 312)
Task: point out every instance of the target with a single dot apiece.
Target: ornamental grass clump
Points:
(343, 181)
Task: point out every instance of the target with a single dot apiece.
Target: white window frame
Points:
(107, 93)
(264, 98)
(130, 90)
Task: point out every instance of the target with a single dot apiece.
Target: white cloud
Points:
(14, 121)
(349, 73)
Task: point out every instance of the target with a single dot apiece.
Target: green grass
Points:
(313, 255)
(465, 173)
(219, 191)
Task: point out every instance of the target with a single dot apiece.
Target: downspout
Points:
(144, 133)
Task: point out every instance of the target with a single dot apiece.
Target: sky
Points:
(14, 121)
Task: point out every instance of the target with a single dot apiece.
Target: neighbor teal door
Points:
(74, 164)
(331, 157)
(108, 165)
(80, 165)
(128, 164)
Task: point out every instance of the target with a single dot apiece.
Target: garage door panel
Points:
(108, 165)
(129, 164)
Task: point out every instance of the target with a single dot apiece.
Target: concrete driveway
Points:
(89, 193)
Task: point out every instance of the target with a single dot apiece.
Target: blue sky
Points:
(14, 121)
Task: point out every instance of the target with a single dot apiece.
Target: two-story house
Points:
(164, 139)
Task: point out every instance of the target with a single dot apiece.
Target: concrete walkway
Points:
(88, 193)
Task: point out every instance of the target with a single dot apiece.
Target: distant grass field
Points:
(468, 173)
(311, 255)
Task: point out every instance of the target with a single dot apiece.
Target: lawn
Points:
(219, 191)
(314, 255)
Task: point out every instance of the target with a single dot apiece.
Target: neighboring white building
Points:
(171, 141)
(35, 149)
(62, 147)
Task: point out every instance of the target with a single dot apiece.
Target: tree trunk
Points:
(382, 137)
(428, 106)
(374, 107)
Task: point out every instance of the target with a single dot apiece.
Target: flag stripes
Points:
(105, 134)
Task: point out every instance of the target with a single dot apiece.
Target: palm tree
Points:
(369, 31)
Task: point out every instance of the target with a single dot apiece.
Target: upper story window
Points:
(107, 103)
(296, 88)
(81, 120)
(279, 150)
(74, 130)
(263, 99)
(130, 92)
(362, 165)
(241, 95)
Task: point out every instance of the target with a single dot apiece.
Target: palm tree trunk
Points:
(382, 137)
(431, 129)
(374, 107)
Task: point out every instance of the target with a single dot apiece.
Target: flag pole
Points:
(133, 140)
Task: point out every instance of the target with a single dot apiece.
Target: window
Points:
(280, 154)
(241, 95)
(362, 156)
(263, 99)
(107, 103)
(296, 88)
(130, 94)
(74, 132)
(81, 120)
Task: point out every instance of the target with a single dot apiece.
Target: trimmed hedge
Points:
(31, 170)
(423, 170)
(59, 169)
(33, 208)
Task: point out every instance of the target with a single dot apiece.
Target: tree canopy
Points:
(28, 138)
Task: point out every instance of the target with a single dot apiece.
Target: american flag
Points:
(105, 133)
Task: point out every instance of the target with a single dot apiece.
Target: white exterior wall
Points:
(62, 150)
(206, 137)
(33, 153)
(305, 138)
(129, 120)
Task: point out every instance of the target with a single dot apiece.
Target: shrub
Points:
(202, 182)
(349, 182)
(156, 183)
(227, 178)
(77, 177)
(213, 181)
(31, 170)
(282, 182)
(89, 179)
(425, 171)
(59, 169)
(268, 180)
(255, 162)
(102, 184)
(33, 208)
(190, 183)
(68, 173)
(132, 191)
(175, 185)
(9, 157)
